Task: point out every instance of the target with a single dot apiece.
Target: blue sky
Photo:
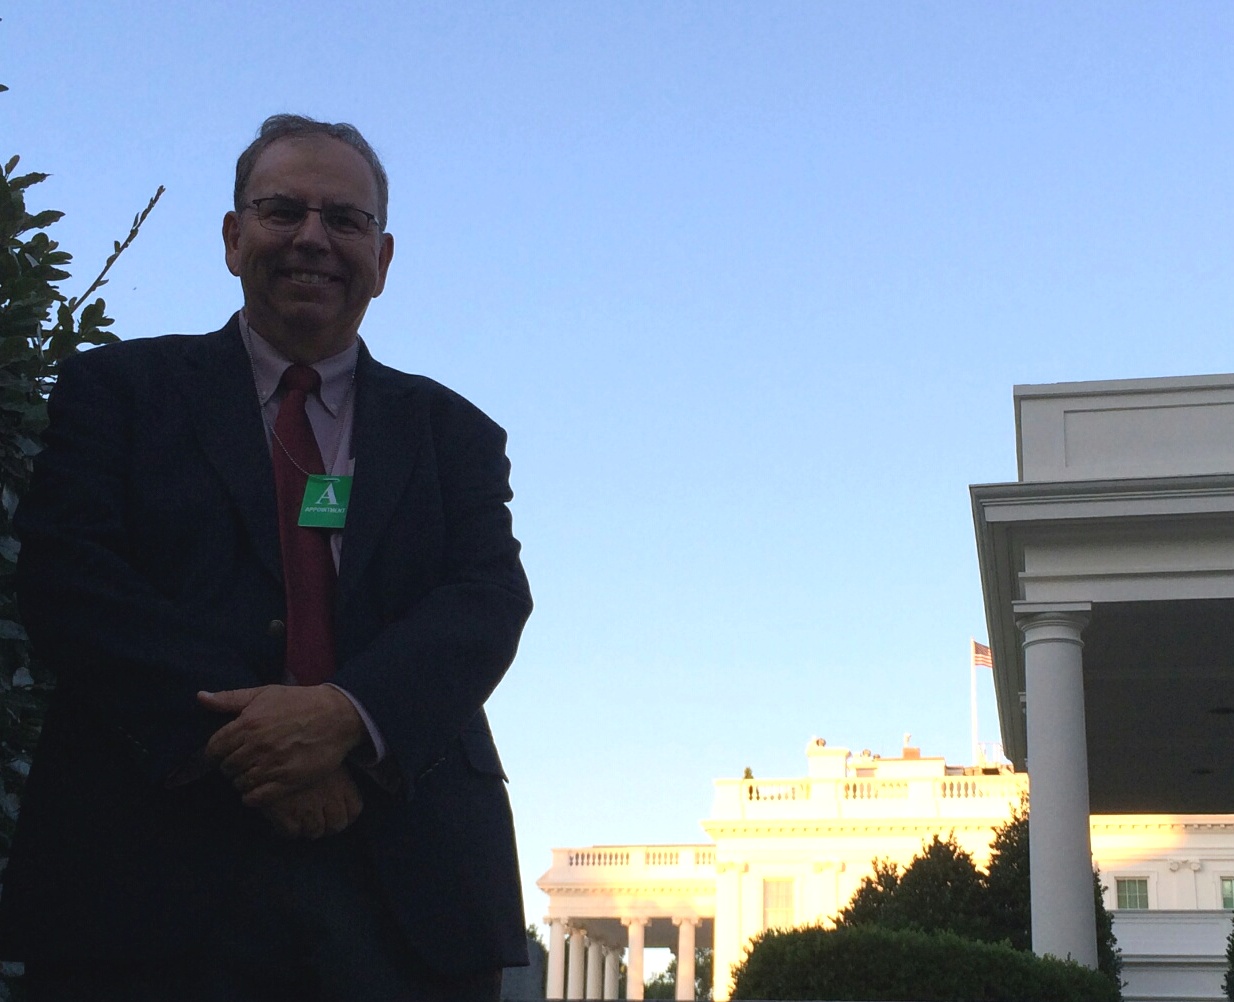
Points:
(749, 285)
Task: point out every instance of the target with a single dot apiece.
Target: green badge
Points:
(325, 501)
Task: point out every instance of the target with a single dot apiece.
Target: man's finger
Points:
(266, 794)
(335, 814)
(285, 823)
(225, 742)
(313, 821)
(355, 803)
(229, 700)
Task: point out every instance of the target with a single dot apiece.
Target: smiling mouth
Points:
(311, 277)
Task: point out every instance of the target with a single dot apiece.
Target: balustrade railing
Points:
(777, 790)
(875, 789)
(638, 856)
(806, 797)
(599, 857)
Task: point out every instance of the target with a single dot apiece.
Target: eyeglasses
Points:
(286, 215)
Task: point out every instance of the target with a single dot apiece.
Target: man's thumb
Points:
(227, 701)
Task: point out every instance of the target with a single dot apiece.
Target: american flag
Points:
(982, 658)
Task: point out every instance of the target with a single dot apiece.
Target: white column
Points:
(556, 988)
(612, 972)
(685, 958)
(1060, 856)
(727, 927)
(595, 969)
(578, 963)
(634, 962)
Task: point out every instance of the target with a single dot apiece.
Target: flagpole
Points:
(972, 671)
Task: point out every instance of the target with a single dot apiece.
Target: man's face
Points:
(306, 291)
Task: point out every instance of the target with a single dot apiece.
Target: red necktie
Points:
(308, 564)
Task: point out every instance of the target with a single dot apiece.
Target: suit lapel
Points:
(387, 436)
(223, 408)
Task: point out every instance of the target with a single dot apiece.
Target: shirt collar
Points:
(337, 372)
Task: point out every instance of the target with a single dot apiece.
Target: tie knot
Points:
(300, 377)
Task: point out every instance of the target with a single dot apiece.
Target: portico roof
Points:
(1124, 512)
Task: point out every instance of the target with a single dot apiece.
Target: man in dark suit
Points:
(267, 773)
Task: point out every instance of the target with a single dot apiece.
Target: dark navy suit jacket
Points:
(150, 569)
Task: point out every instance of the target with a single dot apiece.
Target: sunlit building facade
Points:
(791, 852)
(1107, 572)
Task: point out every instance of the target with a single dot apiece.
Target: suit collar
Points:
(388, 434)
(223, 408)
(386, 441)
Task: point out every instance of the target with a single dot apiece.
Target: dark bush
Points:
(940, 891)
(869, 962)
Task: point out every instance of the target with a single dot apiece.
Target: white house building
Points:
(790, 852)
(1107, 571)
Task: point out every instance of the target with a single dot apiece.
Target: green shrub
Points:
(941, 890)
(39, 326)
(869, 962)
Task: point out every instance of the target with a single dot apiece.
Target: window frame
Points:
(1143, 883)
(785, 908)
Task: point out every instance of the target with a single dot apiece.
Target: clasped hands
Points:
(284, 754)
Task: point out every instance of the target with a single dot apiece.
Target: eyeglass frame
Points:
(255, 204)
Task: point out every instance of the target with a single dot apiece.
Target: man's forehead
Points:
(313, 158)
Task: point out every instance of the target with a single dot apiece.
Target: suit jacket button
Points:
(276, 628)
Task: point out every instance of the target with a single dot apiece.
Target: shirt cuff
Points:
(366, 756)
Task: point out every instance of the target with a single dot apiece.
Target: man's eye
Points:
(284, 213)
(343, 222)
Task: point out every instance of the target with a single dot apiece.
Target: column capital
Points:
(635, 920)
(1065, 611)
(1058, 622)
(691, 919)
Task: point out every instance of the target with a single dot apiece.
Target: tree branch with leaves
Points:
(39, 326)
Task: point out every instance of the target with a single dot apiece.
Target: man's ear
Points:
(231, 241)
(385, 254)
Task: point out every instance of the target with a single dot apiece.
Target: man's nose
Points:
(312, 232)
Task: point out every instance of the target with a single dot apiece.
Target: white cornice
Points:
(705, 889)
(759, 827)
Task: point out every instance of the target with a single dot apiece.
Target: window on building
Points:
(1227, 892)
(1133, 892)
(778, 903)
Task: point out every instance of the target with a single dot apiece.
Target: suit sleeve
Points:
(426, 674)
(128, 652)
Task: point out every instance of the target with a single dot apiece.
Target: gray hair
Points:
(278, 127)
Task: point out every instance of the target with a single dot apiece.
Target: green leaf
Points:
(27, 446)
(8, 802)
(13, 161)
(26, 180)
(43, 219)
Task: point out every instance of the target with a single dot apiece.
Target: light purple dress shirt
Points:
(330, 411)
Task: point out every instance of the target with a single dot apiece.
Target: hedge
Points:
(875, 964)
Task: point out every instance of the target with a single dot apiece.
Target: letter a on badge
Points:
(329, 509)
